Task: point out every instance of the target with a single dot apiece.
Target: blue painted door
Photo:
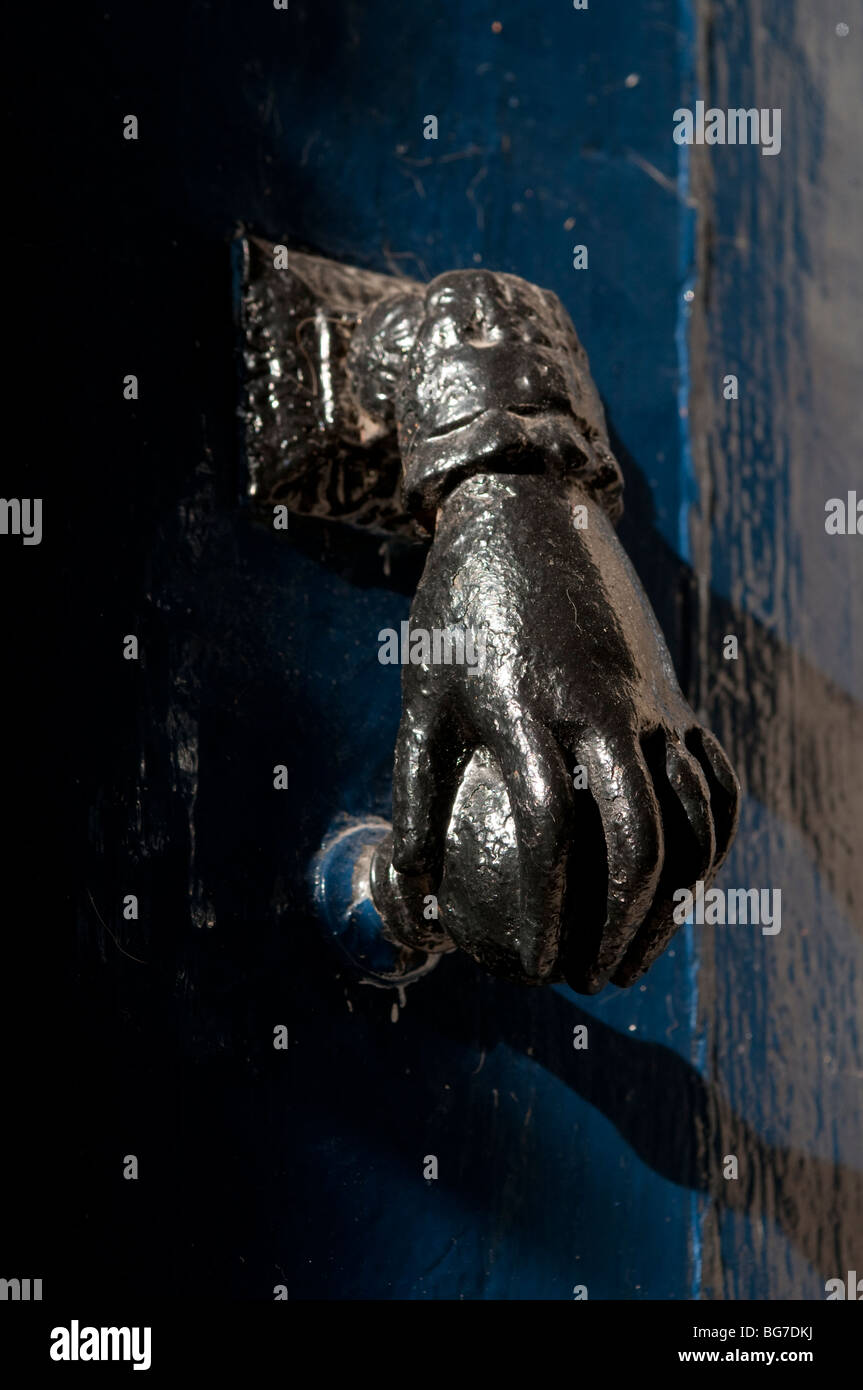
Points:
(601, 1170)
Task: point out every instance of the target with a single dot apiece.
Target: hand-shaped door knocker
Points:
(552, 788)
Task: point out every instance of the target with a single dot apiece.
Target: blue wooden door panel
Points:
(558, 1168)
(782, 292)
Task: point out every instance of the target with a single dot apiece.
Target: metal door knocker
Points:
(552, 788)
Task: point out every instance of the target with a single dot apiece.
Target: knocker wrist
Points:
(561, 463)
